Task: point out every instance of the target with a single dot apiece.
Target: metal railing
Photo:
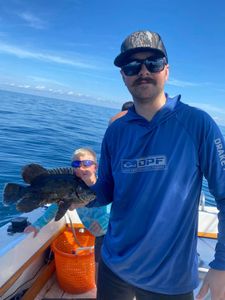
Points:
(202, 202)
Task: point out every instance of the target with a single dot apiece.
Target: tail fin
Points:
(12, 193)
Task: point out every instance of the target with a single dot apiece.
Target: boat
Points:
(27, 272)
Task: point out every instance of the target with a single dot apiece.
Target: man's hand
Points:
(215, 282)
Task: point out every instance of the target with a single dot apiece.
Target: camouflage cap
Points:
(140, 41)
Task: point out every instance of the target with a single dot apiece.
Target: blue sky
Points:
(65, 48)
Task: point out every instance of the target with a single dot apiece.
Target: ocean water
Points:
(46, 131)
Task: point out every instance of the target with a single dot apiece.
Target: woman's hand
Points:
(31, 228)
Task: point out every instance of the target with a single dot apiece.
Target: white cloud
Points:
(222, 90)
(32, 20)
(24, 86)
(180, 83)
(40, 87)
(183, 83)
(208, 107)
(70, 93)
(38, 79)
(217, 113)
(52, 58)
(59, 91)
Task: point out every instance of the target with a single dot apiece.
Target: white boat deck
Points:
(206, 247)
(52, 291)
(21, 256)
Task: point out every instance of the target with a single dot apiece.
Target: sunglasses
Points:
(83, 163)
(153, 65)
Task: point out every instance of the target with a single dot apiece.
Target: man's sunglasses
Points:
(83, 163)
(153, 65)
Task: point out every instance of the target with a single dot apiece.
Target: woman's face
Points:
(85, 170)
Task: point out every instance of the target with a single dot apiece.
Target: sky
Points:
(66, 48)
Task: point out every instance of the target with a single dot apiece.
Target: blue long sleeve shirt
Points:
(88, 216)
(152, 173)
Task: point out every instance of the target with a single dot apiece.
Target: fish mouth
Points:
(86, 196)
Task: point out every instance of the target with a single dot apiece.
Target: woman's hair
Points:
(84, 151)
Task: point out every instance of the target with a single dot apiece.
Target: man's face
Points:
(145, 86)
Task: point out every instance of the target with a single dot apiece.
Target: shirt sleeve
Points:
(49, 214)
(94, 215)
(212, 156)
(219, 259)
(105, 184)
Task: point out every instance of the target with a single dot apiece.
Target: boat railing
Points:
(202, 202)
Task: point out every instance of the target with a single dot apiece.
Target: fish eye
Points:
(79, 189)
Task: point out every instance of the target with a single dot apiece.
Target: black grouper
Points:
(45, 186)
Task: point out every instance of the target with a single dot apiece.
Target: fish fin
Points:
(63, 207)
(12, 193)
(27, 204)
(61, 171)
(32, 171)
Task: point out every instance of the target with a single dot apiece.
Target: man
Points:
(152, 163)
(124, 110)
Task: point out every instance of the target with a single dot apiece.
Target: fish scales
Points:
(59, 185)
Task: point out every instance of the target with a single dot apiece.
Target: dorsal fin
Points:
(31, 171)
(60, 171)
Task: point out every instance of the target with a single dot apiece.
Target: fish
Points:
(46, 186)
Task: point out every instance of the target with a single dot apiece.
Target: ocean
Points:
(36, 129)
(45, 131)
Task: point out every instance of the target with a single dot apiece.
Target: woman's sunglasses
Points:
(83, 163)
(153, 65)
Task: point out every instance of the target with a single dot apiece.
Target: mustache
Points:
(146, 79)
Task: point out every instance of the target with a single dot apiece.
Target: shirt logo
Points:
(145, 164)
(221, 152)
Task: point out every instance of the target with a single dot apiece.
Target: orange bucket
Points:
(75, 265)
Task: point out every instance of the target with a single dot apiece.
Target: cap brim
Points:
(122, 58)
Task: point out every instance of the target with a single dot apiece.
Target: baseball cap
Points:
(140, 41)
